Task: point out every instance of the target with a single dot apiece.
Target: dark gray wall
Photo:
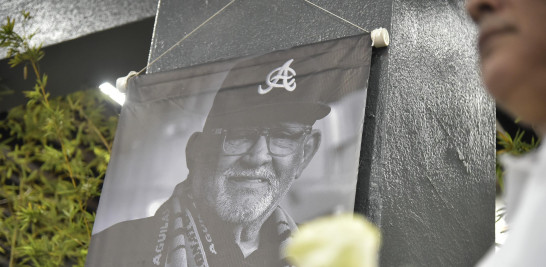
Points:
(434, 148)
(427, 164)
(60, 21)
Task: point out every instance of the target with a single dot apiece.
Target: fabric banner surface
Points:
(217, 164)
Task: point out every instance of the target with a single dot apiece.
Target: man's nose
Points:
(258, 153)
(479, 8)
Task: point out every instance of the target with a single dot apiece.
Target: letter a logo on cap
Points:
(281, 77)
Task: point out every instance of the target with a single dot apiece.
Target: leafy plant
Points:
(53, 156)
(512, 146)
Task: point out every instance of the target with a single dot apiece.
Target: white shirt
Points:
(525, 197)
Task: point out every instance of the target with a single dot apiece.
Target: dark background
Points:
(83, 63)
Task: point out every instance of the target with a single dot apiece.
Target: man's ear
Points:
(192, 150)
(310, 147)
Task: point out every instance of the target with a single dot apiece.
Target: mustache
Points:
(263, 172)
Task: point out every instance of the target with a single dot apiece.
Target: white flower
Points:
(342, 240)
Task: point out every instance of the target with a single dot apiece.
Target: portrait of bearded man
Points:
(257, 139)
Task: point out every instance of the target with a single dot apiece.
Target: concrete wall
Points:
(434, 145)
(427, 163)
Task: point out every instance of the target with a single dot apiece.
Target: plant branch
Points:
(42, 87)
(13, 244)
(16, 230)
(97, 131)
(71, 174)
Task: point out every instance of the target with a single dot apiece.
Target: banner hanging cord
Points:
(184, 38)
(346, 21)
(220, 11)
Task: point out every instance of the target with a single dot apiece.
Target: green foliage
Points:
(53, 156)
(4, 90)
(19, 45)
(512, 146)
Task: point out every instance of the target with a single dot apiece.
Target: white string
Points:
(323, 9)
(220, 11)
(184, 38)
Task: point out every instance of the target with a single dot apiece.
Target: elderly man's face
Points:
(243, 187)
(512, 47)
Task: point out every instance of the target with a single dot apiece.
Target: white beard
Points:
(244, 205)
(242, 210)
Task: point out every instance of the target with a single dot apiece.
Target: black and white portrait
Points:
(217, 164)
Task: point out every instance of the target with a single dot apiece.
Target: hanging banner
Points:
(217, 164)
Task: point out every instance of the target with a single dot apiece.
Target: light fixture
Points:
(112, 92)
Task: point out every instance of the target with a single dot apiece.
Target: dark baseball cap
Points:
(293, 85)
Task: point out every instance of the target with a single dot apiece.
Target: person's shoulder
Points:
(129, 243)
(128, 229)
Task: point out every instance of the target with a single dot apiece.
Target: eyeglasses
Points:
(281, 141)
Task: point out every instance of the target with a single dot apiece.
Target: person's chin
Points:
(532, 115)
(498, 77)
(238, 207)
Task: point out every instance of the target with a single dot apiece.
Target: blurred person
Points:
(512, 47)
